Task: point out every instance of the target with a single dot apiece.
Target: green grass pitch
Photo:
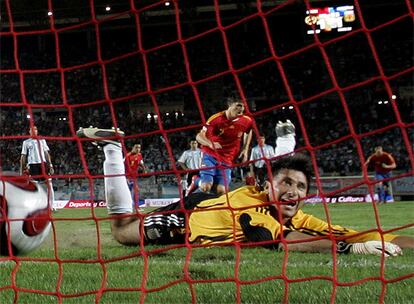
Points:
(71, 268)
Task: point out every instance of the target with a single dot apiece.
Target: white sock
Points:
(51, 193)
(47, 184)
(117, 194)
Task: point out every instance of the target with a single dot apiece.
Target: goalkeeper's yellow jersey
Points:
(216, 220)
(309, 224)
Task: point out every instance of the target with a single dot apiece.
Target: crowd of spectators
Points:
(333, 159)
(137, 96)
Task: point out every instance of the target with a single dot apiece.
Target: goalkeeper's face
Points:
(287, 191)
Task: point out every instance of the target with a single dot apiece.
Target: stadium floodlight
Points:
(167, 3)
(49, 13)
(380, 102)
(393, 97)
(107, 8)
(385, 101)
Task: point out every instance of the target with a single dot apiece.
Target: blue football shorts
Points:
(219, 173)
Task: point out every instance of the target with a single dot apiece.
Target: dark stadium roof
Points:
(33, 13)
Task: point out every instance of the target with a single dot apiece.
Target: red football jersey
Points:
(132, 162)
(228, 133)
(378, 160)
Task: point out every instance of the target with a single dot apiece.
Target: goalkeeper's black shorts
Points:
(166, 225)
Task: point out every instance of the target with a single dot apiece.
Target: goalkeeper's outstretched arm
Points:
(404, 241)
(323, 245)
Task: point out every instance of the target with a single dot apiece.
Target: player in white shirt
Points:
(190, 160)
(35, 158)
(260, 152)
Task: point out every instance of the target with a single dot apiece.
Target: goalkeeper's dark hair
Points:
(298, 161)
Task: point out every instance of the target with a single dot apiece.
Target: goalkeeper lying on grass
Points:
(243, 215)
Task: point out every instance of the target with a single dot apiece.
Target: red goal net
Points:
(341, 71)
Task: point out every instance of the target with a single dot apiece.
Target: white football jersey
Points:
(256, 153)
(191, 158)
(35, 150)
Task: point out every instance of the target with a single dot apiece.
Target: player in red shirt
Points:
(133, 164)
(383, 164)
(220, 139)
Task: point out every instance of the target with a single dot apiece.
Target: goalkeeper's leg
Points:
(125, 229)
(125, 226)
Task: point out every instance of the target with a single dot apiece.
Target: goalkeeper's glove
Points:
(375, 247)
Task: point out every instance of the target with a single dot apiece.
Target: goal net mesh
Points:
(159, 70)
